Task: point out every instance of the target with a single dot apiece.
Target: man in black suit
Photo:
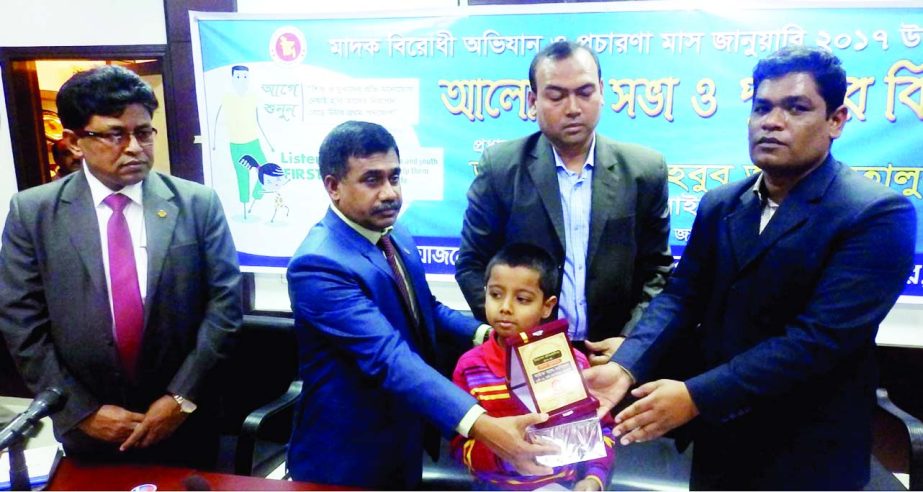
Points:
(786, 277)
(598, 206)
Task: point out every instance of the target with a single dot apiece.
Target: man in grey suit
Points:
(598, 206)
(120, 286)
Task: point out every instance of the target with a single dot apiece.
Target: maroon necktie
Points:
(430, 435)
(127, 309)
(387, 246)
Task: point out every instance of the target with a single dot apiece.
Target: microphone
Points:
(46, 403)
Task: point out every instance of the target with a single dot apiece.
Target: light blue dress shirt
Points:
(576, 195)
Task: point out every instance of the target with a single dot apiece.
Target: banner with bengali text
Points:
(450, 85)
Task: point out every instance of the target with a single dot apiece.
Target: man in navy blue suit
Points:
(784, 281)
(367, 327)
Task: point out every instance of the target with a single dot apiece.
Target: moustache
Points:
(769, 140)
(394, 206)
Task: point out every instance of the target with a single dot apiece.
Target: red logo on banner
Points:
(287, 45)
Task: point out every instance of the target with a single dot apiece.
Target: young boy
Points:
(521, 286)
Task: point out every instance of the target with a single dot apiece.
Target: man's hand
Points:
(506, 438)
(587, 484)
(601, 352)
(608, 383)
(663, 406)
(161, 420)
(110, 423)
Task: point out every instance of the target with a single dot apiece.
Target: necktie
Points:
(127, 309)
(387, 246)
(430, 434)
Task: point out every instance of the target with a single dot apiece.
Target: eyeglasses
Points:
(117, 138)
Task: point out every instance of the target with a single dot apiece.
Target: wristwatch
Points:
(185, 406)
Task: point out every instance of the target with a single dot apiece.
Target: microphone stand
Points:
(19, 471)
(23, 426)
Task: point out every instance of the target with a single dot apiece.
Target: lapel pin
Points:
(162, 213)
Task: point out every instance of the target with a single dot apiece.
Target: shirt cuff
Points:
(634, 380)
(481, 334)
(467, 422)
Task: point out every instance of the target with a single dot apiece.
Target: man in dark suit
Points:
(120, 286)
(785, 280)
(368, 329)
(598, 206)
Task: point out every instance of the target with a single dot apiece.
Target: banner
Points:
(448, 86)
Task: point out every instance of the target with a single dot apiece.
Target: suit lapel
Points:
(83, 228)
(544, 175)
(744, 227)
(160, 216)
(794, 211)
(605, 201)
(417, 280)
(359, 243)
(374, 255)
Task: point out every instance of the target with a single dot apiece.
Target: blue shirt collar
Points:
(590, 156)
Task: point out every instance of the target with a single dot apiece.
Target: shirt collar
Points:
(590, 156)
(99, 191)
(759, 189)
(370, 235)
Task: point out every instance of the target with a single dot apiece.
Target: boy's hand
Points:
(663, 406)
(587, 484)
(601, 352)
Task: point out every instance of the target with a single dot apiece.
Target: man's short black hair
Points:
(821, 64)
(105, 91)
(352, 139)
(239, 68)
(528, 256)
(560, 50)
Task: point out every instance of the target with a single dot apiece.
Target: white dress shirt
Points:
(134, 214)
(769, 207)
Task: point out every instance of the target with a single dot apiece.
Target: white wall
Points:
(81, 23)
(355, 6)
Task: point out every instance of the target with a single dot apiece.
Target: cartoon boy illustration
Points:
(242, 120)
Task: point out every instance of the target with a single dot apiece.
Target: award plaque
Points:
(545, 377)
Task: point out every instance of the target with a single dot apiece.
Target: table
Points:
(73, 474)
